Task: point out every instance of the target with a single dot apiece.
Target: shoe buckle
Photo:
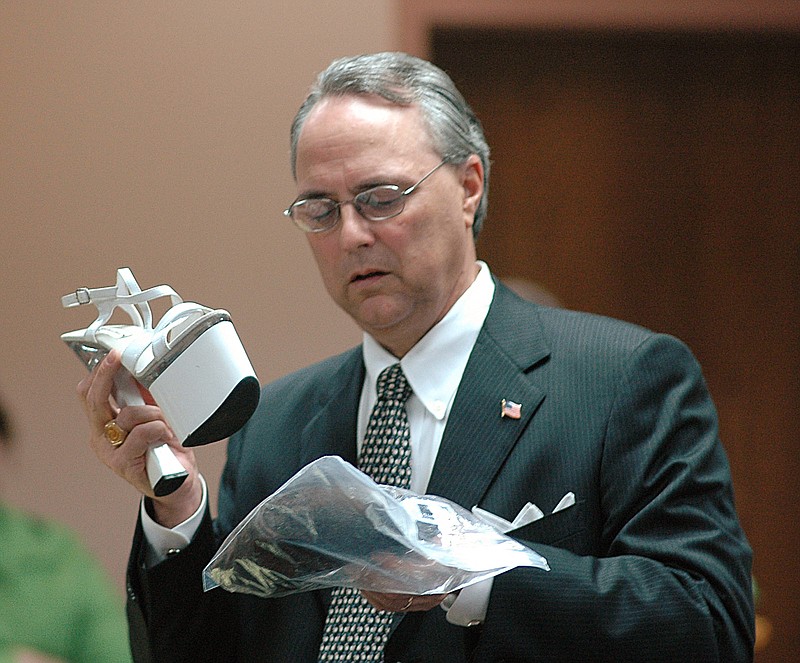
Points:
(82, 296)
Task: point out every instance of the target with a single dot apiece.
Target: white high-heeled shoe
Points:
(192, 362)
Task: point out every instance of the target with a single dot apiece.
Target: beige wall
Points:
(151, 135)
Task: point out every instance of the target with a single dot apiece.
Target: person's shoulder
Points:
(592, 326)
(614, 342)
(572, 331)
(19, 523)
(559, 323)
(38, 540)
(325, 372)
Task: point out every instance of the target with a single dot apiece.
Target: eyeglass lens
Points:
(375, 204)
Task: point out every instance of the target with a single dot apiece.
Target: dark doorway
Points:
(655, 177)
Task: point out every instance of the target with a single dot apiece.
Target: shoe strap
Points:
(175, 320)
(126, 294)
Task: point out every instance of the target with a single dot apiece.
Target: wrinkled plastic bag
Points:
(331, 525)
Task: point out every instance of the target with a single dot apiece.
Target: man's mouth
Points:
(367, 276)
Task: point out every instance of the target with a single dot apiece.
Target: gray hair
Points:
(402, 79)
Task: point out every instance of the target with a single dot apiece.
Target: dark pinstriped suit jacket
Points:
(650, 564)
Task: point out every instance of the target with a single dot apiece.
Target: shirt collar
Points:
(434, 366)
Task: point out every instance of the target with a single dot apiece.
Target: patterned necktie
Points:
(354, 630)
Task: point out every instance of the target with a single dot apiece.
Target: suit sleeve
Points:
(670, 578)
(170, 618)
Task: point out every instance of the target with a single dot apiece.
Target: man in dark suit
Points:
(615, 437)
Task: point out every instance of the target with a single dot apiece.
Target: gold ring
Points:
(408, 605)
(114, 433)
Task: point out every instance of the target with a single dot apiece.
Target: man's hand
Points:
(403, 602)
(146, 427)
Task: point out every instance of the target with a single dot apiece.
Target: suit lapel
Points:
(332, 431)
(478, 439)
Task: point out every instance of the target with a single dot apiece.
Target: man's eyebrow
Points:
(377, 182)
(313, 194)
(391, 180)
(365, 186)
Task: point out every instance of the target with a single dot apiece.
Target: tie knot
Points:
(392, 384)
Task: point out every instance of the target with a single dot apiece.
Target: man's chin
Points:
(381, 321)
(379, 311)
(379, 325)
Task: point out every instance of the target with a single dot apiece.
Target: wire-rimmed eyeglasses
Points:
(315, 215)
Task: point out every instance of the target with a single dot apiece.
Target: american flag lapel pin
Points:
(510, 409)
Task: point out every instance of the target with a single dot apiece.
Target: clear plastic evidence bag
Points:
(331, 525)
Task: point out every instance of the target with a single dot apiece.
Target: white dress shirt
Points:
(433, 368)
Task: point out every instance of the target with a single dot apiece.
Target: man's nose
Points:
(354, 229)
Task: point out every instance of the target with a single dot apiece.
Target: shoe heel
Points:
(164, 470)
(210, 389)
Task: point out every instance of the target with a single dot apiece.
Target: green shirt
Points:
(54, 597)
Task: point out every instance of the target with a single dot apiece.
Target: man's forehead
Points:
(346, 126)
(360, 108)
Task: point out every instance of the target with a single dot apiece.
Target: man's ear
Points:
(472, 182)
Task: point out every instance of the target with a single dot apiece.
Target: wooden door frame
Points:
(416, 19)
